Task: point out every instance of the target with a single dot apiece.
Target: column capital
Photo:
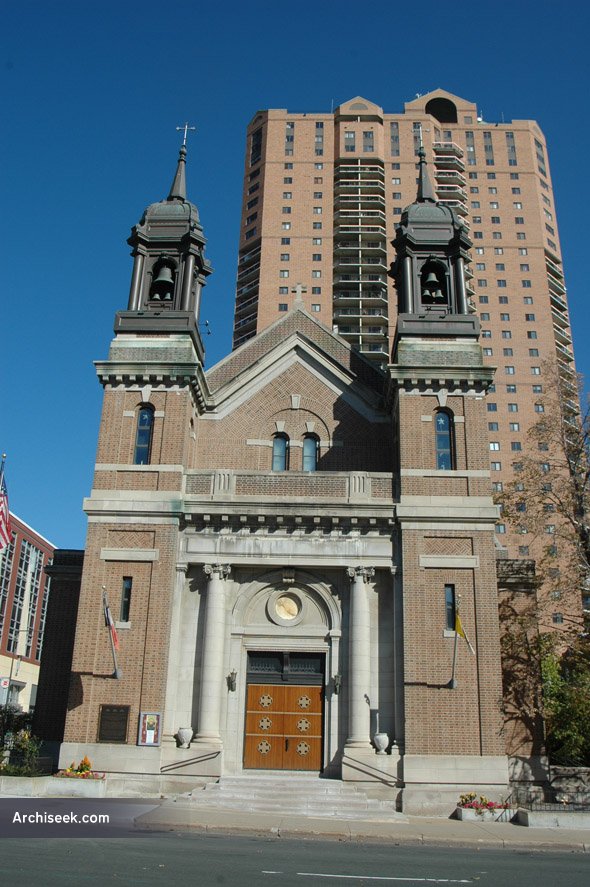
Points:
(222, 570)
(364, 573)
(182, 568)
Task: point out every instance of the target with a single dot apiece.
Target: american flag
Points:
(5, 524)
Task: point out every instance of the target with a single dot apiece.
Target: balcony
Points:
(560, 319)
(450, 177)
(447, 148)
(451, 191)
(297, 486)
(557, 302)
(455, 205)
(562, 336)
(448, 163)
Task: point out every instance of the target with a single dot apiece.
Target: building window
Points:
(450, 607)
(284, 273)
(558, 618)
(311, 446)
(317, 257)
(143, 436)
(285, 257)
(349, 142)
(445, 455)
(492, 407)
(126, 598)
(256, 146)
(316, 290)
(494, 446)
(283, 290)
(316, 307)
(283, 306)
(496, 466)
(280, 452)
(513, 408)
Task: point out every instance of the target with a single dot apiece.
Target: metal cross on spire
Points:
(186, 129)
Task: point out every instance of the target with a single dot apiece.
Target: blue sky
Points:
(91, 95)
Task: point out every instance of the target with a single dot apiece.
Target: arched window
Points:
(143, 437)
(280, 452)
(311, 447)
(444, 443)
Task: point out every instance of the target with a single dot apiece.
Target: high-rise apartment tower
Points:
(323, 194)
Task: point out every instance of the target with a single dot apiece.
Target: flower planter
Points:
(469, 814)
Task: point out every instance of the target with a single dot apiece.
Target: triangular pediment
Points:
(297, 340)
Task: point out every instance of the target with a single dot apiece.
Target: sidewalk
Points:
(403, 830)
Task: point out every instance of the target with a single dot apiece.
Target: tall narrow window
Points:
(126, 598)
(450, 607)
(280, 452)
(143, 438)
(445, 455)
(311, 447)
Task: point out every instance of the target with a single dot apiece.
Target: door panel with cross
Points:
(283, 727)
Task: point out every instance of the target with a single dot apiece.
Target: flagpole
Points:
(453, 683)
(117, 673)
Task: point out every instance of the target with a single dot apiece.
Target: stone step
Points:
(296, 794)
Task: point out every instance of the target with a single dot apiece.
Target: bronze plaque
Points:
(112, 725)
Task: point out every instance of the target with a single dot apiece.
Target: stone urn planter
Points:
(381, 742)
(185, 734)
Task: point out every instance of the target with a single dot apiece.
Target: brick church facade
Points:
(285, 538)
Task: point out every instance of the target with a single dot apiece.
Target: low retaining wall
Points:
(553, 818)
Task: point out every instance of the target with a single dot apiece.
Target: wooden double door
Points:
(283, 727)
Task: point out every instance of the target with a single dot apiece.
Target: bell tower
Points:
(432, 249)
(169, 267)
(155, 393)
(445, 515)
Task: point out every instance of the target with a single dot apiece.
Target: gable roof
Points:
(306, 328)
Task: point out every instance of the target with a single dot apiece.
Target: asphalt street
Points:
(210, 861)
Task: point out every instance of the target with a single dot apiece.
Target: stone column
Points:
(135, 290)
(212, 659)
(409, 306)
(359, 659)
(462, 306)
(187, 282)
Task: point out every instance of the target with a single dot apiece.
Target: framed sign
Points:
(150, 723)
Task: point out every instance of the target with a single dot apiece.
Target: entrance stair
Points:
(296, 794)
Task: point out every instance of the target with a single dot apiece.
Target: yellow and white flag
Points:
(461, 631)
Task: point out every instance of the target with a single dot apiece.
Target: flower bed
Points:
(82, 771)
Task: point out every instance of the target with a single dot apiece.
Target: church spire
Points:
(178, 187)
(425, 191)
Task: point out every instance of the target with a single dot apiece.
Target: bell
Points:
(163, 285)
(432, 279)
